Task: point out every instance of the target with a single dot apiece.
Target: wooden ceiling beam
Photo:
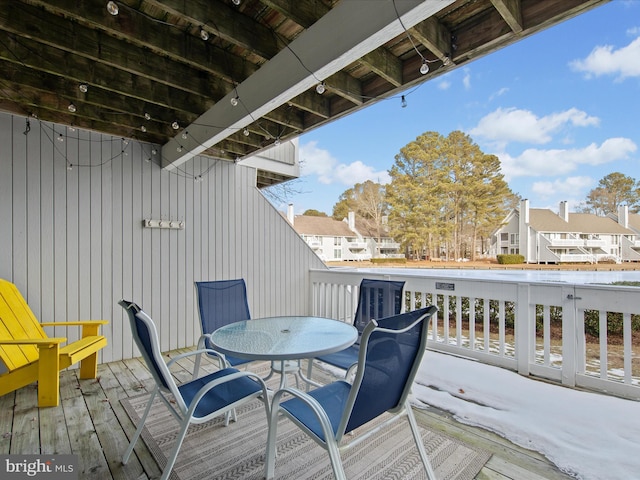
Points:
(511, 12)
(384, 64)
(434, 36)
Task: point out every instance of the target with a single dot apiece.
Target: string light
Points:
(60, 138)
(234, 101)
(112, 8)
(403, 104)
(204, 35)
(147, 116)
(320, 88)
(184, 135)
(235, 2)
(72, 108)
(175, 125)
(143, 129)
(83, 87)
(424, 68)
(277, 142)
(246, 132)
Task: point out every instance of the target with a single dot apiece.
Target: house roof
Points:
(545, 220)
(367, 228)
(321, 226)
(134, 72)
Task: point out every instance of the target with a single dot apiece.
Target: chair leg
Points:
(134, 439)
(270, 460)
(418, 438)
(174, 453)
(336, 461)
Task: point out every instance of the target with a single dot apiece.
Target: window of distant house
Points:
(337, 253)
(515, 251)
(337, 241)
(515, 238)
(504, 236)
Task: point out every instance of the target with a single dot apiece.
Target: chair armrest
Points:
(228, 378)
(194, 352)
(40, 342)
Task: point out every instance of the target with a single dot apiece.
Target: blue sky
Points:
(561, 109)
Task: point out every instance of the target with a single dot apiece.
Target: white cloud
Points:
(561, 186)
(466, 80)
(515, 125)
(499, 93)
(555, 162)
(444, 85)
(320, 162)
(605, 60)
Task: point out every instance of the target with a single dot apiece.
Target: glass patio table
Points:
(284, 341)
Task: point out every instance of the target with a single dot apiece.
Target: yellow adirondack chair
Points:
(29, 355)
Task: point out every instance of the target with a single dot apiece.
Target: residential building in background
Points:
(350, 239)
(543, 236)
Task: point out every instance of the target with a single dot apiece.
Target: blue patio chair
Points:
(193, 402)
(376, 299)
(391, 350)
(220, 303)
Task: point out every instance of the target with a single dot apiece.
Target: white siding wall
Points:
(73, 242)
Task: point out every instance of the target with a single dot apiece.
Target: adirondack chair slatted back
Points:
(17, 322)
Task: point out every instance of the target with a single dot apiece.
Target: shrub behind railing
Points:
(510, 259)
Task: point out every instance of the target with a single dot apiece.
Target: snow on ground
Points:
(587, 435)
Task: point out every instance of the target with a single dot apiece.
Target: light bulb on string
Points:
(424, 68)
(83, 87)
(72, 108)
(320, 88)
(234, 101)
(143, 129)
(60, 138)
(112, 8)
(246, 132)
(204, 35)
(175, 125)
(147, 116)
(184, 135)
(403, 103)
(277, 142)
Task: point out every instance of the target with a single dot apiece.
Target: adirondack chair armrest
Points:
(89, 327)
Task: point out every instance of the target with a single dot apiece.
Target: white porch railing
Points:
(532, 328)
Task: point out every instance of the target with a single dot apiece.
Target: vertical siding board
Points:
(186, 332)
(189, 271)
(81, 152)
(6, 196)
(137, 214)
(216, 223)
(97, 224)
(46, 212)
(19, 204)
(33, 234)
(70, 149)
(110, 311)
(146, 182)
(174, 287)
(125, 219)
(151, 304)
(161, 316)
(60, 233)
(117, 245)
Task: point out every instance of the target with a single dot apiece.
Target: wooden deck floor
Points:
(91, 423)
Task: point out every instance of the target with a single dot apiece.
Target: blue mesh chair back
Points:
(220, 303)
(392, 356)
(377, 299)
(146, 338)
